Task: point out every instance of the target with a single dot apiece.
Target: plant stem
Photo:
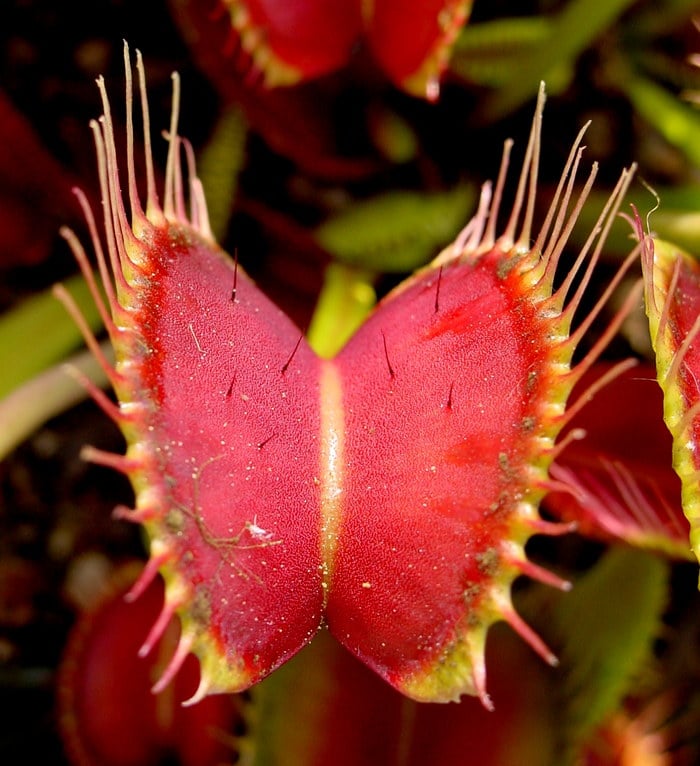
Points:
(347, 296)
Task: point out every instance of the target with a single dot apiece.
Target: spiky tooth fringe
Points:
(76, 315)
(121, 463)
(184, 647)
(134, 515)
(535, 572)
(148, 574)
(167, 613)
(476, 647)
(527, 634)
(553, 528)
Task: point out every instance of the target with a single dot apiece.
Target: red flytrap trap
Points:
(385, 494)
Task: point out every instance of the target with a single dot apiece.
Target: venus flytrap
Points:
(625, 490)
(102, 654)
(385, 494)
(288, 44)
(672, 299)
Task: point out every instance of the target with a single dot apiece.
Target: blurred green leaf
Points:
(676, 121)
(39, 332)
(397, 231)
(220, 164)
(392, 134)
(346, 298)
(45, 396)
(486, 53)
(570, 33)
(605, 628)
(660, 17)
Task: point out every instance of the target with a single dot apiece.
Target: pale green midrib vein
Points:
(331, 464)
